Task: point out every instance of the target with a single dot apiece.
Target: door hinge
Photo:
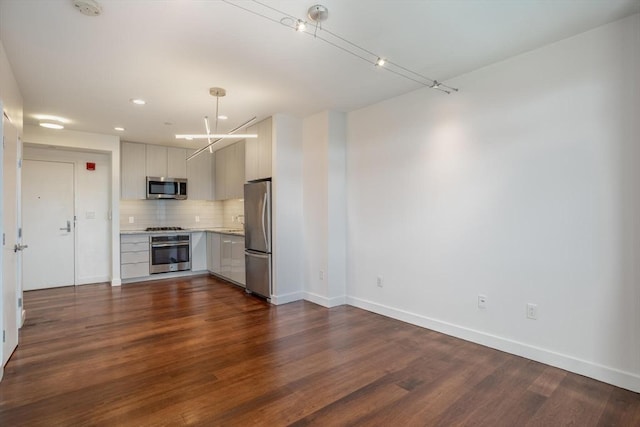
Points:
(19, 302)
(20, 233)
(4, 239)
(4, 336)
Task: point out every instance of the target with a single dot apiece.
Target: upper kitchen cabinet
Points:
(166, 161)
(200, 176)
(229, 172)
(176, 162)
(133, 174)
(258, 151)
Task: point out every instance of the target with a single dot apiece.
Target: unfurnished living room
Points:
(267, 212)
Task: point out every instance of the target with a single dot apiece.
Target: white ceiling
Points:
(171, 52)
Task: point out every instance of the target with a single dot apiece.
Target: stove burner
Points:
(163, 228)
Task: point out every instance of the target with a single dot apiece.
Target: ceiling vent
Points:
(88, 7)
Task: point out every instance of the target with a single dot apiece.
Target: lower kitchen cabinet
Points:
(226, 256)
(213, 252)
(134, 256)
(198, 251)
(237, 260)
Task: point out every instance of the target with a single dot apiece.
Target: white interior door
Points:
(48, 224)
(10, 230)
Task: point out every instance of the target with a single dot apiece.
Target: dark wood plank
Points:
(199, 351)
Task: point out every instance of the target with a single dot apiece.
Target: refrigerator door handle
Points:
(256, 254)
(264, 218)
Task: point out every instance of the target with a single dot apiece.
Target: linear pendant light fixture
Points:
(217, 92)
(317, 14)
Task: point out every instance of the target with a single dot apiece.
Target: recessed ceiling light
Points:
(138, 101)
(222, 117)
(380, 62)
(51, 125)
(119, 129)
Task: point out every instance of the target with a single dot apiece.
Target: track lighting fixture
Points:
(317, 14)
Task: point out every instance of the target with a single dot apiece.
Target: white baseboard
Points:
(324, 301)
(286, 298)
(116, 282)
(92, 280)
(627, 380)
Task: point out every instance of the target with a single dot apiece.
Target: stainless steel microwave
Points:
(160, 187)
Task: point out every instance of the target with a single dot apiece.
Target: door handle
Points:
(19, 247)
(67, 228)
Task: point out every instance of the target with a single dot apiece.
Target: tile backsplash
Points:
(233, 213)
(180, 213)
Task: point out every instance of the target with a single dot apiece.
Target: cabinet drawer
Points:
(140, 269)
(134, 238)
(134, 247)
(134, 257)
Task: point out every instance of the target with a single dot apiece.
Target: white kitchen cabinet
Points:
(198, 251)
(176, 162)
(134, 256)
(219, 182)
(237, 260)
(229, 172)
(258, 151)
(226, 256)
(213, 252)
(166, 161)
(200, 176)
(156, 160)
(132, 171)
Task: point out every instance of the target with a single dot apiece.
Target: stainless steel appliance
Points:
(160, 187)
(170, 252)
(257, 237)
(164, 228)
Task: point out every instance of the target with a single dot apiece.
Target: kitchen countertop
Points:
(221, 230)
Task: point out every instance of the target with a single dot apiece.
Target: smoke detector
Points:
(318, 13)
(88, 7)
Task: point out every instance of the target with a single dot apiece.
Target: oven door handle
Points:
(166, 245)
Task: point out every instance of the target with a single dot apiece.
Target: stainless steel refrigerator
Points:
(257, 237)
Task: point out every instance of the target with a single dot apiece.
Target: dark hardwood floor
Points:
(201, 352)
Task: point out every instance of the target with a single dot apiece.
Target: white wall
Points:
(524, 186)
(324, 208)
(9, 92)
(287, 244)
(93, 247)
(84, 141)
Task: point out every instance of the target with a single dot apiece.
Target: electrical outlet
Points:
(482, 301)
(379, 281)
(131, 220)
(532, 311)
(197, 218)
(321, 275)
(233, 218)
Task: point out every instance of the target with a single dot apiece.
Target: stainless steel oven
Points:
(170, 252)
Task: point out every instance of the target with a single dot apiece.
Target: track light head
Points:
(300, 25)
